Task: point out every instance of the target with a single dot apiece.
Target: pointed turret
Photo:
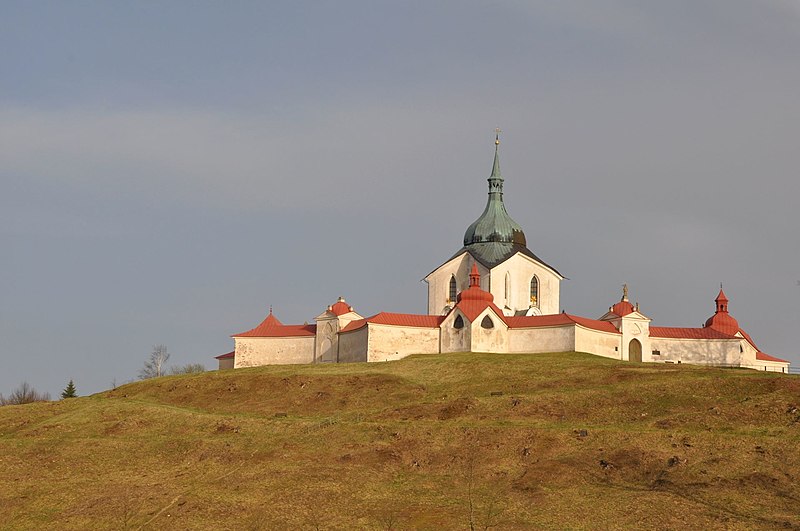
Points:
(495, 225)
(722, 301)
(474, 277)
(474, 291)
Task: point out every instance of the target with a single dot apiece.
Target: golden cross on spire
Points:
(497, 132)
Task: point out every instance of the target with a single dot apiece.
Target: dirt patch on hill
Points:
(292, 395)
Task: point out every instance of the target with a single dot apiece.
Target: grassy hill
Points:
(430, 442)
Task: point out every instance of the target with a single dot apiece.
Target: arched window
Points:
(458, 324)
(453, 289)
(487, 322)
(535, 291)
(508, 289)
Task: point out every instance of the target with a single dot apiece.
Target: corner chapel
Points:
(495, 295)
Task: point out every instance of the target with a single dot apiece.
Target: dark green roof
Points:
(493, 253)
(495, 225)
(494, 237)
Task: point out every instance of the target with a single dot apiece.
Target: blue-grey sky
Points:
(171, 169)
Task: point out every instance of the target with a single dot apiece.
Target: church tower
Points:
(522, 284)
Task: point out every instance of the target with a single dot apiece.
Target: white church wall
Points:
(388, 342)
(494, 339)
(520, 269)
(599, 343)
(439, 281)
(255, 351)
(698, 351)
(353, 345)
(543, 339)
(455, 339)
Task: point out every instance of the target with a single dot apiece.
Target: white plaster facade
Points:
(255, 351)
(509, 282)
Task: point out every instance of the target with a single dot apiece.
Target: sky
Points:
(169, 170)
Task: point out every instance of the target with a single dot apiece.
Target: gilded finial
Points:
(497, 132)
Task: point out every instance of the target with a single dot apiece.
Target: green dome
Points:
(495, 225)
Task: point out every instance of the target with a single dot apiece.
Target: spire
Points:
(495, 225)
(474, 277)
(496, 179)
(722, 301)
(496, 165)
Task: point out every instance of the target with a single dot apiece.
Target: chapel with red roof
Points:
(495, 295)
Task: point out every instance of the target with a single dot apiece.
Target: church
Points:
(495, 295)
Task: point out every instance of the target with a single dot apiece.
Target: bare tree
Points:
(24, 394)
(156, 364)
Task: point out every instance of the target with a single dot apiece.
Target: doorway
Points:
(635, 351)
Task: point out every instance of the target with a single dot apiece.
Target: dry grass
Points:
(429, 442)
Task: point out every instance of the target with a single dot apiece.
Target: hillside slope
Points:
(429, 442)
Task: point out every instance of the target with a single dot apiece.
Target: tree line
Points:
(154, 366)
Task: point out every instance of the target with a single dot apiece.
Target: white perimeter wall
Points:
(699, 351)
(494, 339)
(544, 339)
(606, 344)
(395, 342)
(254, 351)
(455, 339)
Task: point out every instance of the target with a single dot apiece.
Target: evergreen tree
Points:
(69, 391)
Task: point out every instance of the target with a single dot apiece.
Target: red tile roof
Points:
(723, 322)
(271, 327)
(340, 307)
(560, 319)
(622, 308)
(594, 324)
(227, 356)
(471, 308)
(354, 325)
(397, 319)
(688, 333)
(281, 331)
(766, 357)
(533, 321)
(721, 296)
